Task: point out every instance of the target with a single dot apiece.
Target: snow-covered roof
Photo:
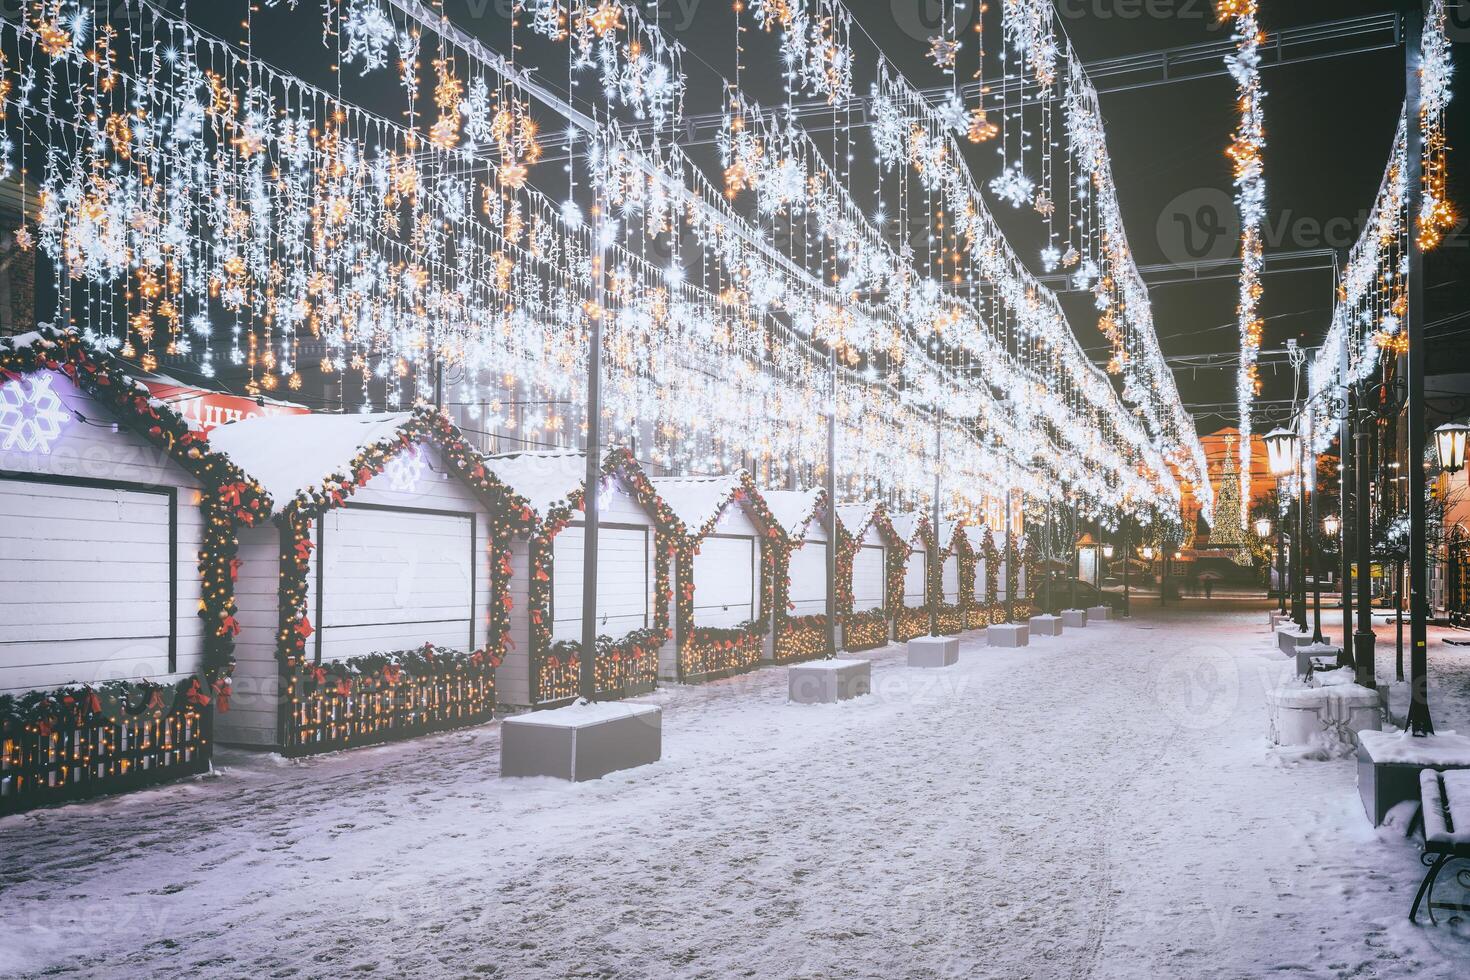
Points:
(697, 500)
(793, 509)
(947, 532)
(544, 478)
(856, 517)
(976, 533)
(907, 525)
(287, 454)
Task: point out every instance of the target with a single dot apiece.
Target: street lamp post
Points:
(1281, 453)
(1263, 531)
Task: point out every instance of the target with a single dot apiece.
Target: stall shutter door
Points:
(981, 579)
(394, 580)
(84, 584)
(867, 578)
(622, 582)
(950, 571)
(809, 579)
(913, 579)
(724, 581)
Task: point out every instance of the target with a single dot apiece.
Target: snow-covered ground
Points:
(1100, 804)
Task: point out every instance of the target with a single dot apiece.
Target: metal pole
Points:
(1419, 720)
(1347, 506)
(832, 542)
(587, 674)
(935, 565)
(1074, 563)
(1363, 638)
(1299, 553)
(1316, 560)
(1280, 553)
(1127, 560)
(1010, 557)
(1046, 554)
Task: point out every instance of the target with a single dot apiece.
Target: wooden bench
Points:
(1446, 801)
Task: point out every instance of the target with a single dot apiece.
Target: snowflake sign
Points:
(31, 414)
(405, 471)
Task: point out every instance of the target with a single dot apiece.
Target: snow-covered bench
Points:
(1446, 800)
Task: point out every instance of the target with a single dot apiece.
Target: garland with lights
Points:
(800, 637)
(1248, 167)
(624, 667)
(297, 516)
(627, 665)
(865, 630)
(69, 742)
(381, 697)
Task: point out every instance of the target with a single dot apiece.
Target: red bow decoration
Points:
(303, 549)
(344, 687)
(319, 674)
(155, 700)
(93, 703)
(195, 694)
(235, 564)
(229, 625)
(304, 627)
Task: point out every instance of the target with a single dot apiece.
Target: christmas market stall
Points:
(724, 573)
(869, 574)
(984, 608)
(117, 539)
(953, 552)
(800, 621)
(376, 606)
(911, 614)
(635, 535)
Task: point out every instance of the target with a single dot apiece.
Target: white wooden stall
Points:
(100, 536)
(724, 530)
(802, 516)
(870, 562)
(913, 528)
(627, 539)
(949, 541)
(404, 561)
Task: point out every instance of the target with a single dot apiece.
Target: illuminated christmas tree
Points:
(1227, 531)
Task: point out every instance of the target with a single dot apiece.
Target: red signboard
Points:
(205, 410)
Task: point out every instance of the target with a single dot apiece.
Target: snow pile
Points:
(1439, 749)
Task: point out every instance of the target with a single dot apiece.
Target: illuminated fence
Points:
(340, 706)
(81, 753)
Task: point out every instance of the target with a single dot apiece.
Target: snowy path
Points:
(1102, 804)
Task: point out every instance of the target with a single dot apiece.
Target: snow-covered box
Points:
(636, 534)
(118, 529)
(375, 607)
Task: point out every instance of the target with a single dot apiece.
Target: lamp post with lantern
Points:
(1282, 453)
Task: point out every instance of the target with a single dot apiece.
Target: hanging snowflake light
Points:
(1013, 186)
(32, 415)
